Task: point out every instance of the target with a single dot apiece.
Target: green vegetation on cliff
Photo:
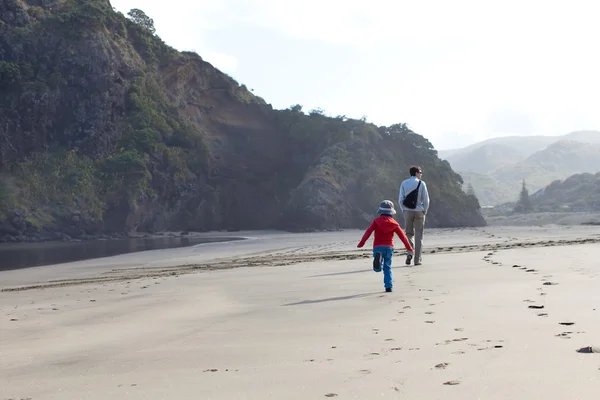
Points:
(580, 192)
(105, 128)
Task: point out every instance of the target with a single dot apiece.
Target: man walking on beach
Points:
(414, 203)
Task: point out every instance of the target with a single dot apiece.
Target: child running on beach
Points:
(383, 244)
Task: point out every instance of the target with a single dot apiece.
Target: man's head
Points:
(415, 171)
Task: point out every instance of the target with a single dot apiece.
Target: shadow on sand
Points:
(357, 271)
(354, 296)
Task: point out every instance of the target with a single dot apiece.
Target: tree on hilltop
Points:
(524, 203)
(470, 190)
(139, 17)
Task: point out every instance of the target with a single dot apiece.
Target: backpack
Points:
(410, 201)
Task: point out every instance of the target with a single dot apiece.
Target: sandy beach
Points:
(493, 313)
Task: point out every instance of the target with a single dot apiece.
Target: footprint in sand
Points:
(566, 323)
(496, 346)
(429, 322)
(452, 383)
(535, 307)
(549, 283)
(448, 341)
(564, 335)
(542, 314)
(331, 395)
(441, 365)
(589, 349)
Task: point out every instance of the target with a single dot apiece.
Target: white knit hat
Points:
(386, 207)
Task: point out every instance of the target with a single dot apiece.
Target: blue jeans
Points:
(386, 260)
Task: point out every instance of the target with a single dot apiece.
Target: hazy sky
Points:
(455, 71)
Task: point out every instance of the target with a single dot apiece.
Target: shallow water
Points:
(23, 255)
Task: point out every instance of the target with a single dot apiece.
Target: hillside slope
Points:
(106, 129)
(579, 192)
(486, 159)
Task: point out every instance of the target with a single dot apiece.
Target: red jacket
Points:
(384, 228)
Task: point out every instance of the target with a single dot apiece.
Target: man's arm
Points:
(367, 234)
(403, 238)
(425, 198)
(401, 196)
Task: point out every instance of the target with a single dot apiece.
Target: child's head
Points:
(386, 207)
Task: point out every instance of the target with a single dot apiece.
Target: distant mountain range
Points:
(496, 167)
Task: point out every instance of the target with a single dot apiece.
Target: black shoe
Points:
(408, 259)
(377, 262)
(388, 289)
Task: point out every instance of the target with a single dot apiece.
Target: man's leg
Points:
(419, 225)
(409, 218)
(409, 226)
(387, 269)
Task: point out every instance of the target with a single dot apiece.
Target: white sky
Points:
(455, 71)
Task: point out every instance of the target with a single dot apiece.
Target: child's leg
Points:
(377, 258)
(387, 268)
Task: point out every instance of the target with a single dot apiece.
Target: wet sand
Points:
(492, 313)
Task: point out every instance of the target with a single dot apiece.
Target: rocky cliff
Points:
(106, 129)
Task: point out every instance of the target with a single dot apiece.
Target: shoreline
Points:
(58, 237)
(266, 258)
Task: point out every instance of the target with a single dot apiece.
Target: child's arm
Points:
(404, 239)
(367, 234)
